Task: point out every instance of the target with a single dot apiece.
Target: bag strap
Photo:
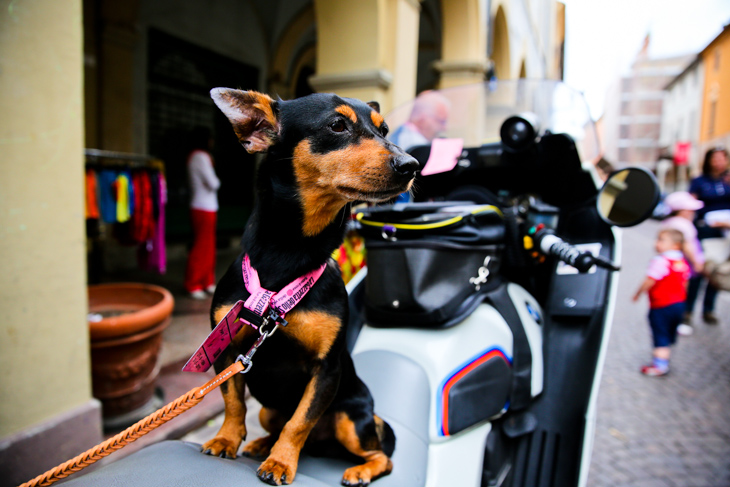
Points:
(521, 390)
(514, 254)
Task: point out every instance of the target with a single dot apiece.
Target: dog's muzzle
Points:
(404, 166)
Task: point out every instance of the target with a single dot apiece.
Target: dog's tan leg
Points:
(376, 463)
(281, 465)
(273, 423)
(233, 431)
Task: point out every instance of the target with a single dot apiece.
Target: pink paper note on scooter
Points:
(444, 155)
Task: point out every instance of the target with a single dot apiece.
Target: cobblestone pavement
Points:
(667, 431)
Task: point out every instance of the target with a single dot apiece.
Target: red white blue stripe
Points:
(442, 412)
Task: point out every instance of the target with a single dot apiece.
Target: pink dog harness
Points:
(252, 312)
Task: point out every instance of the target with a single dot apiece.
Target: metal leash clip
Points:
(246, 360)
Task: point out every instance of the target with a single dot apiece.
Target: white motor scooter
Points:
(480, 332)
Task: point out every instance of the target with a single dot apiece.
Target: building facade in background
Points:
(666, 113)
(715, 121)
(697, 108)
(634, 107)
(679, 139)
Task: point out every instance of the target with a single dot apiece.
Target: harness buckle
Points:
(250, 317)
(277, 317)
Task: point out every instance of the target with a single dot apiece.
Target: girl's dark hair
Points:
(708, 156)
(200, 138)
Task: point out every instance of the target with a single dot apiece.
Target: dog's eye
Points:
(384, 130)
(338, 126)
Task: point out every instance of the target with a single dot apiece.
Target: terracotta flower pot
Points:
(126, 321)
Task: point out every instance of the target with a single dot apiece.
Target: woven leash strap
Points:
(136, 431)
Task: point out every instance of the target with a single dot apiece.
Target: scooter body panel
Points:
(401, 390)
(448, 355)
(458, 462)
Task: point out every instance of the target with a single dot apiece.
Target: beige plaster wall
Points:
(347, 35)
(44, 355)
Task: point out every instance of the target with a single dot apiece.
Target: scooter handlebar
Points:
(551, 244)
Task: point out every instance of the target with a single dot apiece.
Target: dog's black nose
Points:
(404, 165)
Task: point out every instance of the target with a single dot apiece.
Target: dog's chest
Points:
(280, 372)
(315, 331)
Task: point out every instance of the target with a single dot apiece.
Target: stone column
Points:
(367, 49)
(464, 45)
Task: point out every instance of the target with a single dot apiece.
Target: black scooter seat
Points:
(181, 464)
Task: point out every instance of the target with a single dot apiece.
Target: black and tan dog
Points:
(322, 152)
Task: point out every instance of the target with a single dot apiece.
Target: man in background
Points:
(428, 119)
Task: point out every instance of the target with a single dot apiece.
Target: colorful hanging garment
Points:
(143, 222)
(92, 198)
(153, 254)
(130, 191)
(121, 186)
(107, 201)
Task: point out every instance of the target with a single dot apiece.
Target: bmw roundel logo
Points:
(534, 313)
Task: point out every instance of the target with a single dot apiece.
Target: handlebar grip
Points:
(551, 244)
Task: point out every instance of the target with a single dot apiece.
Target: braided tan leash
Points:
(137, 430)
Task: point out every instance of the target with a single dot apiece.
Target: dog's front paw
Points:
(221, 446)
(362, 475)
(259, 448)
(274, 472)
(356, 476)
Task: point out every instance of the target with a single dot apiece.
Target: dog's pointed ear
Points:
(374, 105)
(253, 116)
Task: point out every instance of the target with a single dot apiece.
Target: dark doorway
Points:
(180, 77)
(303, 88)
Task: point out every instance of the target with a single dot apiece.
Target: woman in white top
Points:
(204, 184)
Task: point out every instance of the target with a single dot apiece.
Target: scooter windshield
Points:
(476, 112)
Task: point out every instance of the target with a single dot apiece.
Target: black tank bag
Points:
(430, 264)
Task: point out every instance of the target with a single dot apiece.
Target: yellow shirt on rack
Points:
(122, 198)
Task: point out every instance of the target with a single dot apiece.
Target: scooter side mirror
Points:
(628, 197)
